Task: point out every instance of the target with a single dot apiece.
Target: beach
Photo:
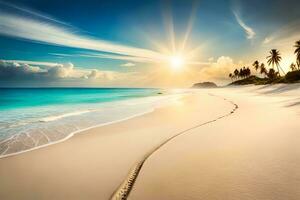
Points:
(231, 143)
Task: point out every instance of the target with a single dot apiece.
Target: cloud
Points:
(218, 70)
(93, 74)
(49, 32)
(118, 57)
(104, 75)
(128, 64)
(19, 73)
(106, 56)
(267, 40)
(12, 70)
(61, 70)
(248, 30)
(36, 27)
(49, 64)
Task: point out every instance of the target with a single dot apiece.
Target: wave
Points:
(4, 155)
(56, 117)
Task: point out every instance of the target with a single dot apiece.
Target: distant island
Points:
(205, 85)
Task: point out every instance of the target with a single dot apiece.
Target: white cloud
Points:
(107, 56)
(118, 57)
(56, 34)
(18, 72)
(61, 70)
(267, 40)
(18, 68)
(93, 74)
(106, 76)
(36, 27)
(12, 70)
(218, 70)
(248, 30)
(128, 64)
(50, 64)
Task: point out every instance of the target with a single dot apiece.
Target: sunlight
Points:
(287, 60)
(178, 52)
(176, 62)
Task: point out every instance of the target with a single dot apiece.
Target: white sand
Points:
(252, 154)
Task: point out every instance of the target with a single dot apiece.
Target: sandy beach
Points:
(252, 153)
(149, 100)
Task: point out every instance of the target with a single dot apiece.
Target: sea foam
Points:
(57, 117)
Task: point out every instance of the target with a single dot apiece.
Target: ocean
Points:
(31, 118)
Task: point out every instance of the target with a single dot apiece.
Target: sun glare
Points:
(176, 62)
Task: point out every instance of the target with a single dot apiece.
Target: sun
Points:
(176, 62)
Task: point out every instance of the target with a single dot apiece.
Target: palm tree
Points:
(256, 65)
(274, 59)
(248, 72)
(231, 76)
(236, 73)
(297, 52)
(263, 69)
(242, 74)
(272, 74)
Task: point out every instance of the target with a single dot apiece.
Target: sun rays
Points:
(177, 47)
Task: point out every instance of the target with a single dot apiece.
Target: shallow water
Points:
(32, 118)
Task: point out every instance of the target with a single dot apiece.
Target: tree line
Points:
(273, 60)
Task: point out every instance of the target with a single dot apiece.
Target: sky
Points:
(133, 43)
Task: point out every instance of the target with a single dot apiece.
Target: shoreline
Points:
(158, 103)
(72, 135)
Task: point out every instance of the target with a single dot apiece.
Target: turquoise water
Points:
(32, 118)
(17, 98)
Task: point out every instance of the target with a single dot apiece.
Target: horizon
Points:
(121, 45)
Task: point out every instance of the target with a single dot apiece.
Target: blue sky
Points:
(130, 42)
